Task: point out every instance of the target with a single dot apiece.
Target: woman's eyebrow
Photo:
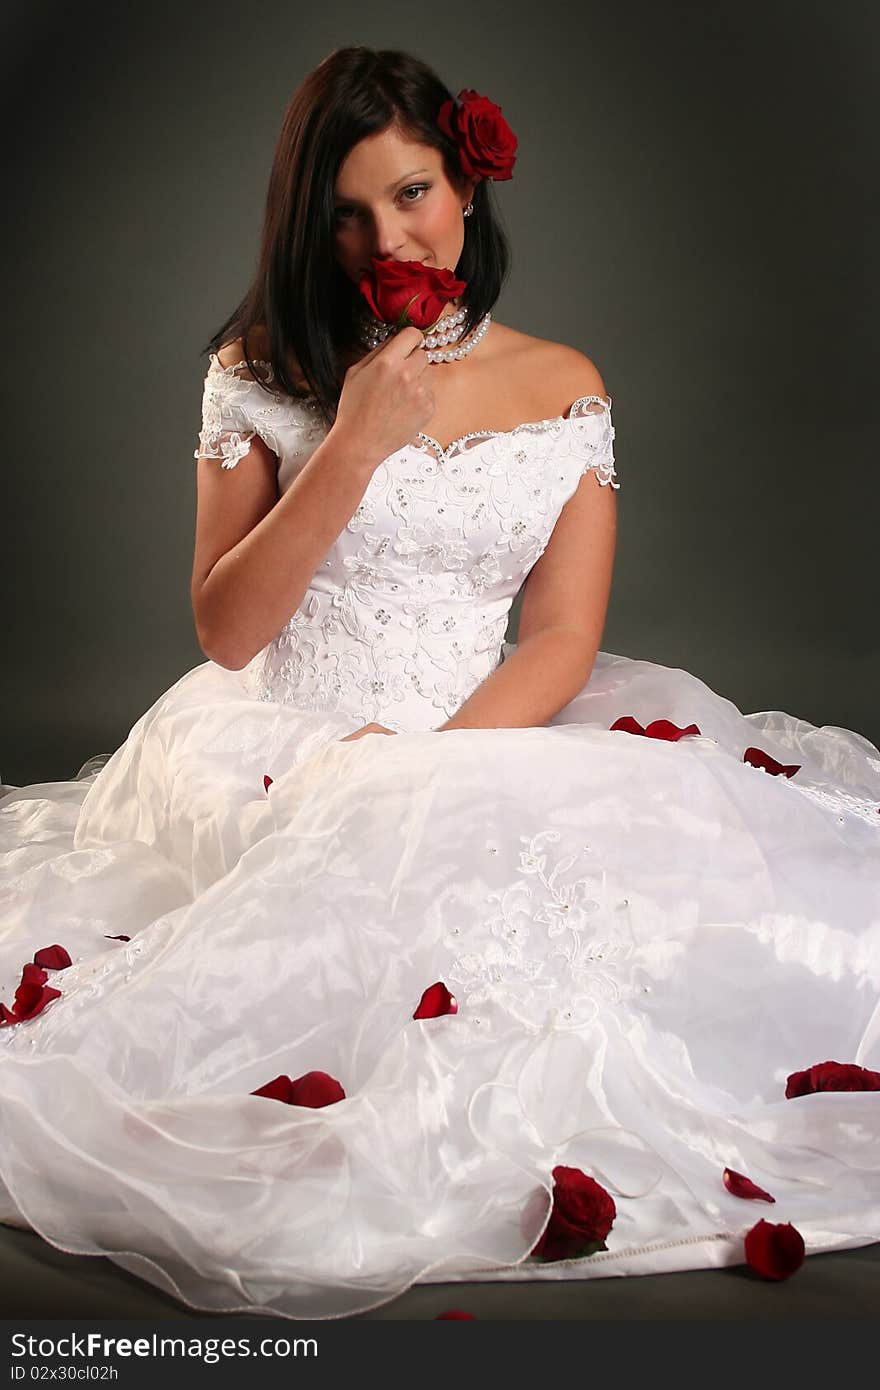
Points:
(390, 187)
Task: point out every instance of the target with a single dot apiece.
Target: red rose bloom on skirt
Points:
(832, 1076)
(582, 1215)
(775, 1251)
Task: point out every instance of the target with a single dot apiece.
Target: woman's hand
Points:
(367, 729)
(385, 399)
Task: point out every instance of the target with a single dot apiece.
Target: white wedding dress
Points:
(645, 936)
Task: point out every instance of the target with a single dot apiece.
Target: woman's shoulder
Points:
(549, 375)
(232, 354)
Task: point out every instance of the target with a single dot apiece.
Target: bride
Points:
(295, 1014)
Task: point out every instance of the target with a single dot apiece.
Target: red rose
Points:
(408, 292)
(436, 1001)
(775, 1251)
(658, 728)
(31, 996)
(832, 1076)
(52, 958)
(486, 144)
(582, 1215)
(314, 1089)
(758, 758)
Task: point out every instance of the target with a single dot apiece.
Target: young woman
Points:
(295, 1013)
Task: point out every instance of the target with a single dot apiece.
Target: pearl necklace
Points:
(372, 331)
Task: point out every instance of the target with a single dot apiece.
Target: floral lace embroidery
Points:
(551, 952)
(840, 801)
(235, 409)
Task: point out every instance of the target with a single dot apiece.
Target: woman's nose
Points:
(388, 236)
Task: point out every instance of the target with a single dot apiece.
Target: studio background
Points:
(692, 206)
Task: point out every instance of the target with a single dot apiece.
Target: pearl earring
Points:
(468, 210)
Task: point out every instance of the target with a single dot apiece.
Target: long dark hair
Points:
(300, 292)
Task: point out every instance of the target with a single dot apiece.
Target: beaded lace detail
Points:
(553, 945)
(237, 406)
(407, 613)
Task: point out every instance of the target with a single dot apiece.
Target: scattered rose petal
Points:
(31, 996)
(117, 938)
(276, 1089)
(738, 1185)
(52, 958)
(454, 1313)
(758, 758)
(436, 1001)
(775, 1251)
(831, 1076)
(267, 781)
(658, 728)
(314, 1089)
(580, 1219)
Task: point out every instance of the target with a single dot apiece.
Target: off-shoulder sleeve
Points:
(235, 408)
(591, 434)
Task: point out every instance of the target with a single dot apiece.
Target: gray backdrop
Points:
(692, 206)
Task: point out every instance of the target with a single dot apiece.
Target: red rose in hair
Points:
(758, 758)
(31, 996)
(582, 1215)
(314, 1089)
(658, 728)
(775, 1251)
(486, 144)
(831, 1076)
(436, 1001)
(408, 292)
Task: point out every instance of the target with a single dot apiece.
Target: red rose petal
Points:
(628, 724)
(435, 1002)
(831, 1076)
(267, 781)
(453, 1313)
(758, 758)
(52, 958)
(32, 974)
(276, 1089)
(6, 1016)
(738, 1185)
(664, 728)
(658, 728)
(774, 1251)
(315, 1089)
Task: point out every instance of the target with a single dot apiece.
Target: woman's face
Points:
(392, 199)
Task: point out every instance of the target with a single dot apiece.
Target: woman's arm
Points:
(562, 618)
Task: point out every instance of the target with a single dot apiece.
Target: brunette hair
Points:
(299, 291)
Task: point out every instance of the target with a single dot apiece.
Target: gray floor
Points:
(38, 1281)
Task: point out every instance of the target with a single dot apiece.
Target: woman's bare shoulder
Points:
(232, 354)
(549, 375)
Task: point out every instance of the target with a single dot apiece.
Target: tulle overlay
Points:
(644, 936)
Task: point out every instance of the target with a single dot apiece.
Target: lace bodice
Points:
(407, 613)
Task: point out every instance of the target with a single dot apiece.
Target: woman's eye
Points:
(342, 213)
(416, 188)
